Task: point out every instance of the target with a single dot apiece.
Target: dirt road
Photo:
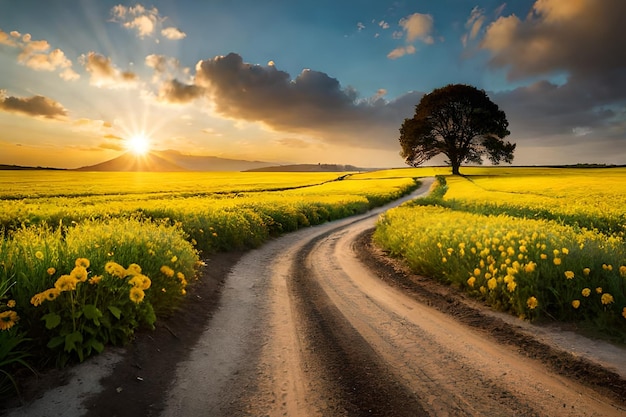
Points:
(306, 329)
(313, 324)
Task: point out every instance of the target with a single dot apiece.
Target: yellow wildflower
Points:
(11, 303)
(471, 281)
(511, 286)
(586, 292)
(622, 270)
(167, 271)
(95, 280)
(51, 271)
(599, 290)
(586, 271)
(115, 269)
(140, 281)
(174, 259)
(569, 274)
(565, 251)
(444, 260)
(557, 261)
(530, 267)
(543, 256)
(575, 303)
(532, 303)
(84, 262)
(483, 290)
(624, 312)
(607, 298)
(51, 294)
(36, 299)
(66, 283)
(136, 295)
(8, 319)
(183, 291)
(133, 269)
(180, 276)
(80, 273)
(492, 283)
(39, 255)
(555, 252)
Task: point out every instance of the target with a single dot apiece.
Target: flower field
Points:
(540, 243)
(88, 258)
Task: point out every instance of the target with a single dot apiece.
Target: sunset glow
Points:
(208, 78)
(138, 144)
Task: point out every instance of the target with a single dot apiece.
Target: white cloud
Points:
(145, 21)
(104, 74)
(173, 33)
(418, 27)
(400, 51)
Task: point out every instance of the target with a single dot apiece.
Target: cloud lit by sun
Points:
(138, 144)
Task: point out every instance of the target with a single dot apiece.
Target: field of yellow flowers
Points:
(88, 258)
(540, 243)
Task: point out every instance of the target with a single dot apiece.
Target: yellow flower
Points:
(624, 312)
(483, 290)
(115, 269)
(523, 249)
(555, 252)
(557, 261)
(8, 319)
(95, 280)
(136, 295)
(575, 303)
(492, 284)
(599, 290)
(444, 260)
(140, 281)
(84, 262)
(11, 303)
(622, 270)
(51, 271)
(66, 283)
(607, 298)
(569, 274)
(586, 292)
(80, 273)
(183, 291)
(511, 286)
(532, 303)
(565, 251)
(586, 271)
(36, 299)
(39, 255)
(471, 281)
(180, 276)
(543, 256)
(50, 294)
(167, 271)
(530, 267)
(133, 269)
(174, 259)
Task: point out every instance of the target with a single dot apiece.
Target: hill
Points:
(129, 162)
(310, 168)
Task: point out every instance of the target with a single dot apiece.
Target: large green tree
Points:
(459, 121)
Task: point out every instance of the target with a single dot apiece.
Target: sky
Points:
(303, 82)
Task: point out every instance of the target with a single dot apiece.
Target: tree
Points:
(459, 121)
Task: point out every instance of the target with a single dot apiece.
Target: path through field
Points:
(308, 325)
(305, 329)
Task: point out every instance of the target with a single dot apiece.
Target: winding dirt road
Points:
(304, 328)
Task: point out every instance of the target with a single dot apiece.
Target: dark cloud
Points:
(173, 91)
(312, 103)
(32, 106)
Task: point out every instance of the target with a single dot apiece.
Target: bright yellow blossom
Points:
(8, 319)
(80, 273)
(113, 268)
(575, 303)
(11, 303)
(167, 271)
(471, 281)
(557, 261)
(39, 255)
(622, 271)
(607, 298)
(492, 283)
(599, 290)
(95, 279)
(66, 283)
(133, 269)
(569, 274)
(532, 303)
(84, 262)
(51, 271)
(586, 271)
(530, 267)
(136, 295)
(586, 292)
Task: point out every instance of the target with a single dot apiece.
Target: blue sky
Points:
(306, 82)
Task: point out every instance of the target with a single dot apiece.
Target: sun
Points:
(138, 144)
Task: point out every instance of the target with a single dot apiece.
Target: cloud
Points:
(474, 24)
(383, 24)
(104, 74)
(418, 27)
(144, 21)
(173, 33)
(572, 36)
(34, 54)
(35, 106)
(360, 26)
(400, 51)
(173, 91)
(313, 103)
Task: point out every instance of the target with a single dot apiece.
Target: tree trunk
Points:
(455, 168)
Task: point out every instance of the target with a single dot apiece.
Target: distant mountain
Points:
(130, 162)
(5, 167)
(173, 161)
(209, 163)
(310, 168)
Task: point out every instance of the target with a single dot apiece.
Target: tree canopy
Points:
(459, 121)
